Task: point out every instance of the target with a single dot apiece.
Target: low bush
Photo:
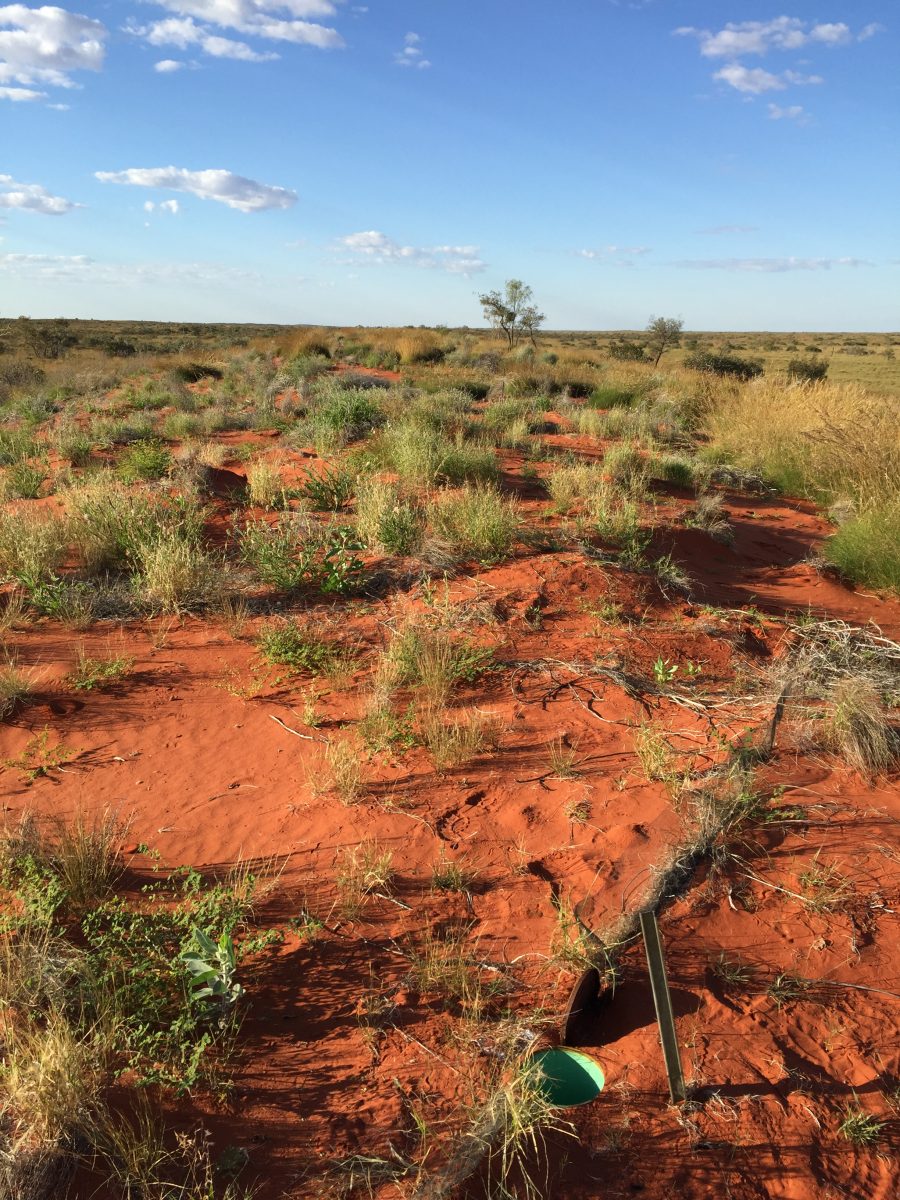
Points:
(173, 573)
(625, 466)
(807, 370)
(328, 490)
(624, 351)
(724, 364)
(24, 480)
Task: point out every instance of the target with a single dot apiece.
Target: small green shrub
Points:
(89, 673)
(724, 364)
(16, 445)
(386, 521)
(624, 351)
(24, 480)
(626, 467)
(287, 644)
(283, 554)
(328, 490)
(807, 370)
(145, 460)
(612, 395)
(676, 469)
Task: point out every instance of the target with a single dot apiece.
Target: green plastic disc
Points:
(569, 1077)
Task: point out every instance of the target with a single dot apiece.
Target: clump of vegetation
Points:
(174, 573)
(865, 548)
(145, 460)
(807, 370)
(288, 644)
(386, 520)
(474, 521)
(856, 727)
(32, 545)
(724, 364)
(16, 687)
(90, 672)
(265, 487)
(98, 989)
(294, 552)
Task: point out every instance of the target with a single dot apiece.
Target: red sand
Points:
(210, 778)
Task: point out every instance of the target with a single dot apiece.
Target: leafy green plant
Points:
(328, 490)
(39, 757)
(90, 673)
(288, 644)
(24, 480)
(664, 671)
(341, 568)
(283, 554)
(211, 968)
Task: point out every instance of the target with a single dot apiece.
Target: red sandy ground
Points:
(210, 778)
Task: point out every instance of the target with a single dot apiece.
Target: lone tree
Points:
(664, 332)
(511, 312)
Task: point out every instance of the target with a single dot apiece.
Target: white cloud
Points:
(377, 248)
(44, 45)
(166, 66)
(753, 81)
(870, 30)
(616, 256)
(791, 112)
(20, 94)
(170, 206)
(781, 33)
(411, 55)
(31, 197)
(267, 20)
(184, 32)
(771, 265)
(750, 80)
(245, 195)
(80, 268)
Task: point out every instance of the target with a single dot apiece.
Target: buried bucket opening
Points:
(569, 1077)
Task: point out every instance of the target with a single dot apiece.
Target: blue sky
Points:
(318, 161)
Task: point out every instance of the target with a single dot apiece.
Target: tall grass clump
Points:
(175, 573)
(106, 522)
(571, 485)
(474, 521)
(32, 545)
(423, 456)
(866, 549)
(828, 442)
(387, 521)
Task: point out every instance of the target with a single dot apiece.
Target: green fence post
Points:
(663, 1003)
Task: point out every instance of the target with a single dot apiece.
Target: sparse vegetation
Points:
(439, 630)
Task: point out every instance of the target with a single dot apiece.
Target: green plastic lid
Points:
(569, 1077)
